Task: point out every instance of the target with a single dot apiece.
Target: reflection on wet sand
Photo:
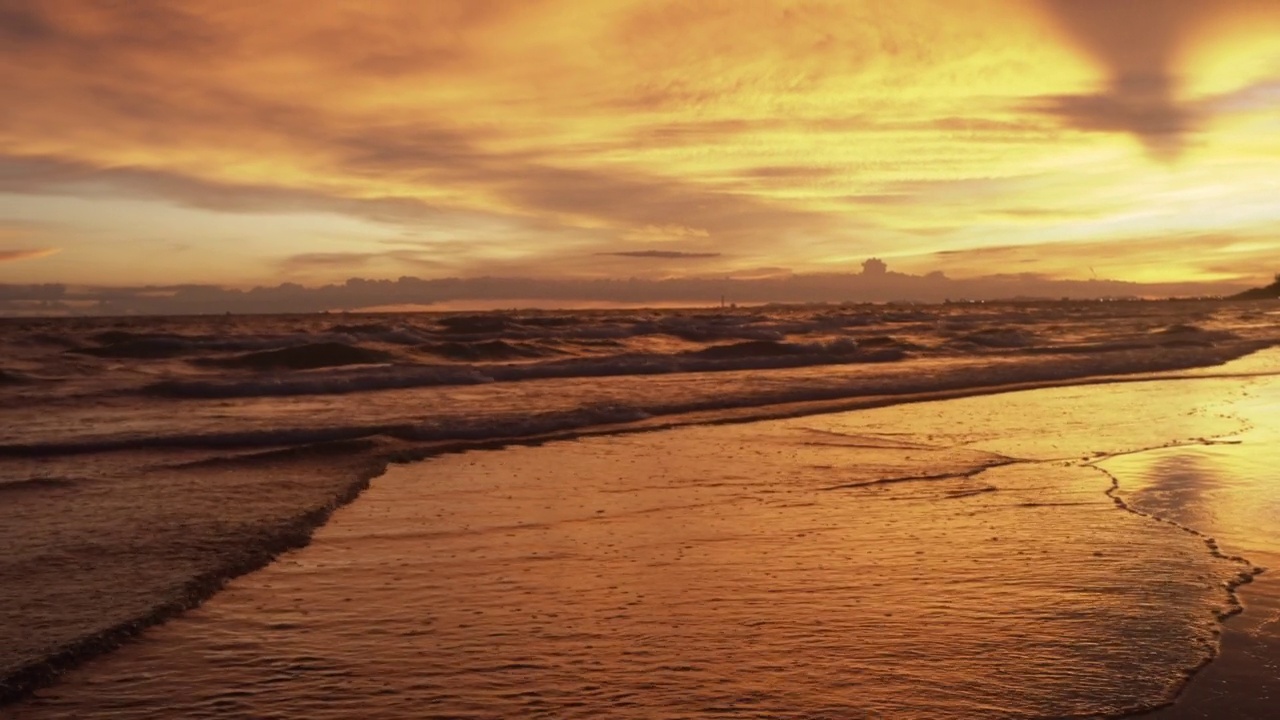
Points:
(1231, 492)
(953, 559)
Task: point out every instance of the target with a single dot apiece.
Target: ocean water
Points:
(834, 561)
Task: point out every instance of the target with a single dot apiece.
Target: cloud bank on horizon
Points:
(251, 144)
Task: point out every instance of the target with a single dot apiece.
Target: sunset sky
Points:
(254, 143)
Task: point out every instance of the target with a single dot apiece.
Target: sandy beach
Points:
(771, 360)
(1226, 491)
(1068, 552)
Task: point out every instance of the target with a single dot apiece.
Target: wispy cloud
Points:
(7, 256)
(540, 136)
(352, 263)
(663, 254)
(1103, 259)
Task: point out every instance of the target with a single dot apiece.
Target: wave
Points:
(35, 484)
(358, 445)
(498, 337)
(1181, 335)
(140, 348)
(772, 348)
(488, 350)
(748, 356)
(303, 357)
(229, 440)
(1180, 329)
(389, 333)
(339, 382)
(491, 361)
(475, 324)
(473, 429)
(745, 401)
(124, 345)
(1000, 337)
(701, 327)
(44, 338)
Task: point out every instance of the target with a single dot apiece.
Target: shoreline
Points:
(1233, 586)
(297, 532)
(400, 455)
(193, 593)
(1237, 503)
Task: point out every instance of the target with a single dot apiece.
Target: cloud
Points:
(1138, 42)
(306, 261)
(52, 175)
(348, 98)
(1260, 96)
(1200, 256)
(790, 172)
(21, 22)
(348, 262)
(663, 254)
(665, 233)
(1143, 107)
(540, 136)
(1143, 46)
(27, 254)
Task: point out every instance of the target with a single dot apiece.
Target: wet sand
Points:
(1231, 492)
(952, 559)
(95, 550)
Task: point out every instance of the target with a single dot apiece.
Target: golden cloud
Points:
(793, 133)
(28, 254)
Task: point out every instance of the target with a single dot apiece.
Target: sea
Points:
(831, 511)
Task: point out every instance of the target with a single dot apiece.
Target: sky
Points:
(309, 141)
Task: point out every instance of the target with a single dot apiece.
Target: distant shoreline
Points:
(519, 306)
(1270, 292)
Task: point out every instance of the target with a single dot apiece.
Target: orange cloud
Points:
(1144, 46)
(7, 256)
(511, 135)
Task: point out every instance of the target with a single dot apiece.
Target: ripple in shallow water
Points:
(739, 571)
